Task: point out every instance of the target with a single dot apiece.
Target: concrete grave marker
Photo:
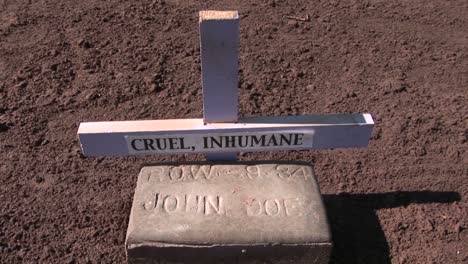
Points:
(226, 212)
(219, 213)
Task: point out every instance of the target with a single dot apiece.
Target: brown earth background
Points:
(401, 200)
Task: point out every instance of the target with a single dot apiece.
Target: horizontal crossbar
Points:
(176, 136)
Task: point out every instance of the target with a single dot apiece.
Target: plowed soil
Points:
(401, 200)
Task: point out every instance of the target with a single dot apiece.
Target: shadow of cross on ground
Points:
(356, 231)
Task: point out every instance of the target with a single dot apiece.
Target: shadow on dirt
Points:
(356, 231)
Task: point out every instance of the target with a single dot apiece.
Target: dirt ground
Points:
(401, 200)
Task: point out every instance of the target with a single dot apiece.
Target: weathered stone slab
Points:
(248, 213)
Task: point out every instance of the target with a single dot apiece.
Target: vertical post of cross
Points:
(219, 41)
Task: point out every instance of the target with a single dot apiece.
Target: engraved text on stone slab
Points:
(228, 204)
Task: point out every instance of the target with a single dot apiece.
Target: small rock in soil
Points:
(92, 96)
(84, 44)
(54, 66)
(393, 85)
(4, 127)
(142, 67)
(311, 87)
(23, 84)
(53, 52)
(292, 23)
(39, 179)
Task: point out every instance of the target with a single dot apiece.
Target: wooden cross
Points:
(221, 134)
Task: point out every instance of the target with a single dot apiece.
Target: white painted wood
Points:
(328, 131)
(219, 38)
(219, 41)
